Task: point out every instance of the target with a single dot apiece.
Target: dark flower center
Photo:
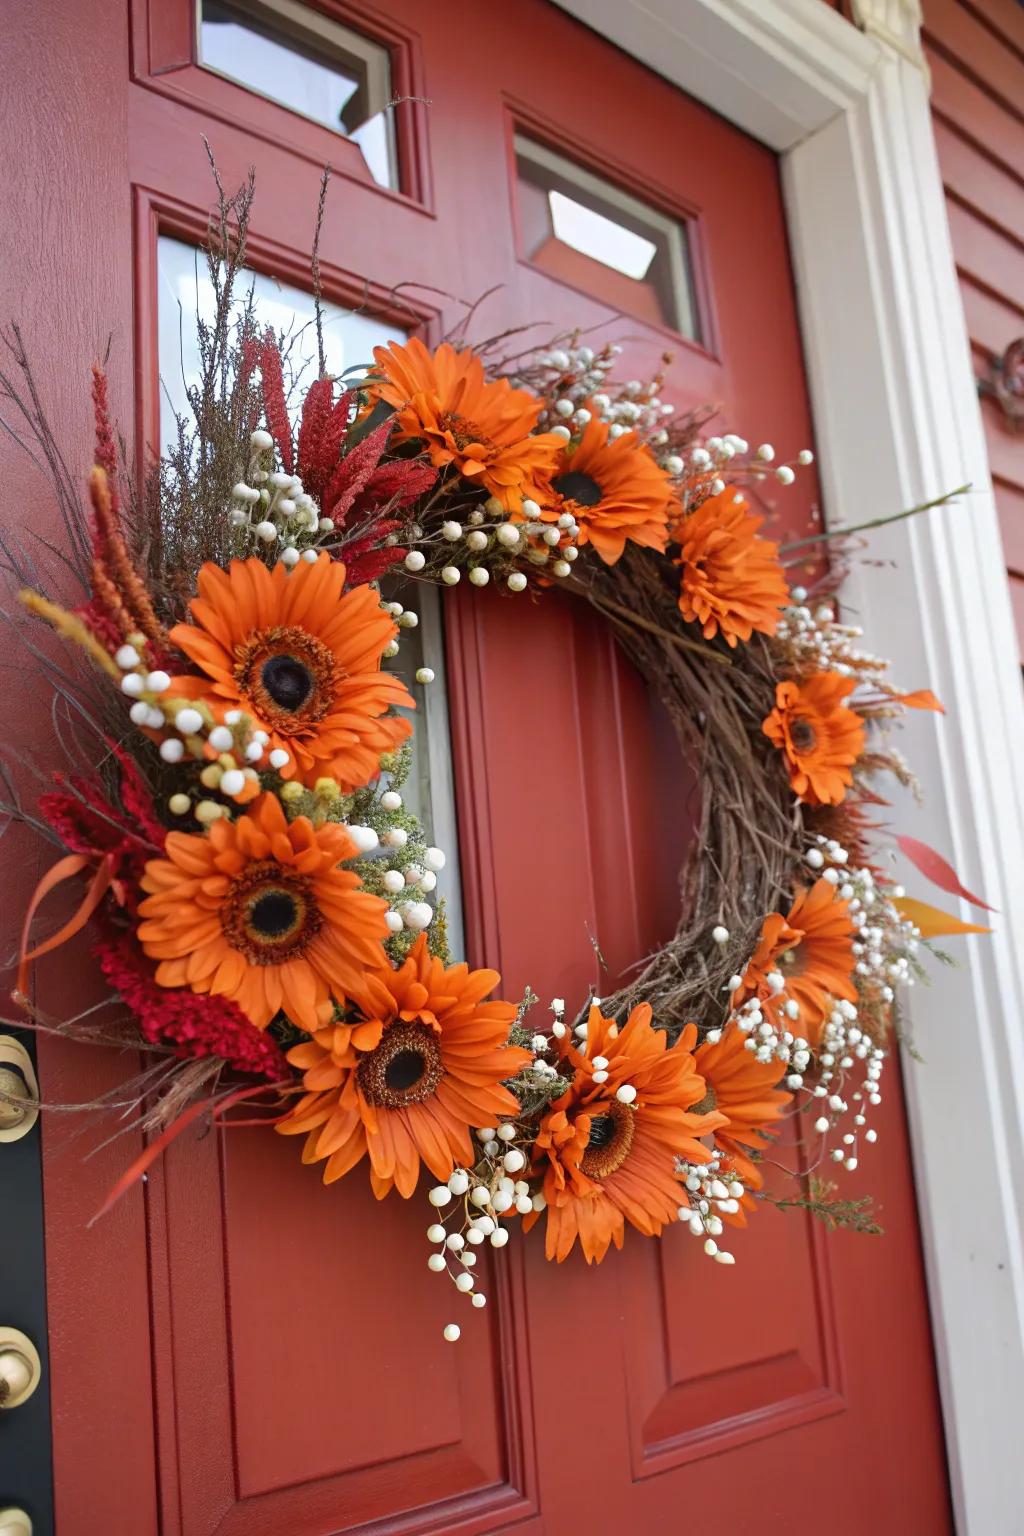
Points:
(462, 431)
(611, 1136)
(273, 913)
(602, 1129)
(578, 487)
(705, 1105)
(287, 681)
(287, 677)
(404, 1069)
(269, 915)
(802, 735)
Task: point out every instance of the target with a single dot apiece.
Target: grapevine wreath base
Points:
(231, 825)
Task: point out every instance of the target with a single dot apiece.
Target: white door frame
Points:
(898, 422)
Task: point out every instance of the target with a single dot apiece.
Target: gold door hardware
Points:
(20, 1370)
(15, 1522)
(18, 1080)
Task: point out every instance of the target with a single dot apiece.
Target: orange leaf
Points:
(932, 923)
(922, 698)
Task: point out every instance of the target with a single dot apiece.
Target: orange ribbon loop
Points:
(64, 869)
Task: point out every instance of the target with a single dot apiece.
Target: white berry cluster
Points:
(188, 729)
(470, 1209)
(271, 506)
(820, 642)
(397, 863)
(487, 544)
(712, 1191)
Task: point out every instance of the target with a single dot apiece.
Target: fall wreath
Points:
(264, 906)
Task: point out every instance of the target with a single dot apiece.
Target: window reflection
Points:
(310, 64)
(593, 234)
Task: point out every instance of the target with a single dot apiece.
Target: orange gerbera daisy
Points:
(746, 1092)
(812, 948)
(259, 912)
(303, 658)
(731, 579)
(485, 429)
(820, 737)
(421, 1061)
(615, 490)
(604, 1161)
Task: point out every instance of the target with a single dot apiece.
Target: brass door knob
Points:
(19, 1094)
(15, 1522)
(20, 1370)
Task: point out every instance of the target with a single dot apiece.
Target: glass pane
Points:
(588, 232)
(185, 292)
(310, 64)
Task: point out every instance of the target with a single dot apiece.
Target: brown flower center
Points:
(404, 1069)
(578, 487)
(705, 1105)
(611, 1136)
(802, 734)
(287, 676)
(270, 915)
(463, 431)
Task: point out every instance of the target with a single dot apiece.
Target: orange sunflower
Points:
(746, 1092)
(420, 1063)
(303, 658)
(615, 490)
(731, 579)
(485, 429)
(259, 912)
(605, 1161)
(819, 735)
(812, 948)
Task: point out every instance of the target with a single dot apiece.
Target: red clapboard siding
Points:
(976, 52)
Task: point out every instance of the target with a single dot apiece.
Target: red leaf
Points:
(935, 868)
(163, 1141)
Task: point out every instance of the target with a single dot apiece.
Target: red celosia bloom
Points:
(87, 822)
(355, 482)
(195, 1025)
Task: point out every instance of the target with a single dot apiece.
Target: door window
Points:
(309, 63)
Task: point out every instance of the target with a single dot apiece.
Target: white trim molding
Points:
(898, 422)
(896, 23)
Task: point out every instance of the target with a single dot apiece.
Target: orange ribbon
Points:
(65, 869)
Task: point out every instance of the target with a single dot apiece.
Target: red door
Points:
(236, 1349)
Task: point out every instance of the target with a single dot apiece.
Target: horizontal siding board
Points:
(1010, 502)
(1005, 446)
(1017, 599)
(979, 184)
(991, 324)
(977, 116)
(1004, 17)
(974, 49)
(993, 263)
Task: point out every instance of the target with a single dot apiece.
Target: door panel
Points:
(260, 1354)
